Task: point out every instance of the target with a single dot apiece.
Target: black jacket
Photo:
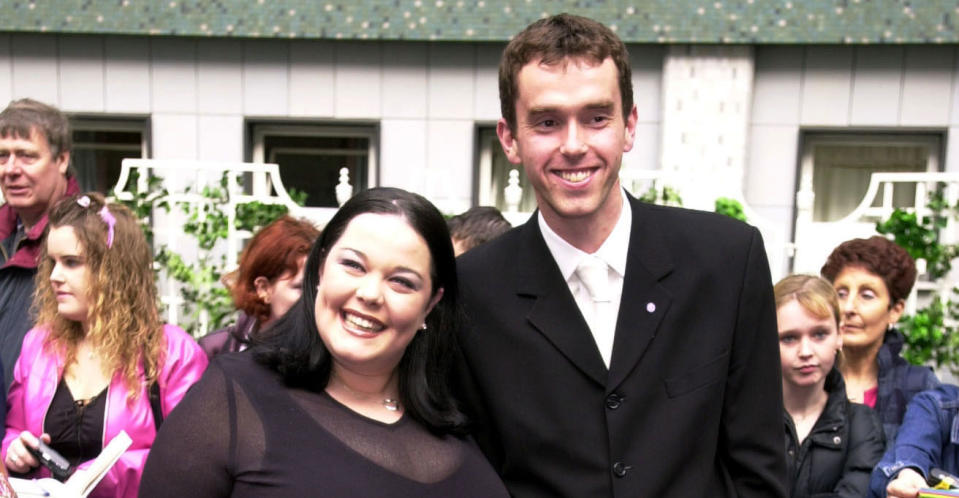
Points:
(840, 451)
(687, 407)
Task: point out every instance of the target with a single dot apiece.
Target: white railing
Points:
(182, 183)
(815, 239)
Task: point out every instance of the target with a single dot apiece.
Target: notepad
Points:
(82, 482)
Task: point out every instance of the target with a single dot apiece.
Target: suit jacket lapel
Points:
(644, 301)
(554, 312)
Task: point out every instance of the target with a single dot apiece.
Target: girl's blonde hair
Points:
(815, 294)
(124, 324)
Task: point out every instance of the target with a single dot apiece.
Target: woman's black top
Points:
(241, 432)
(75, 426)
(838, 455)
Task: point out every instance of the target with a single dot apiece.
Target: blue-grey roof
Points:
(639, 21)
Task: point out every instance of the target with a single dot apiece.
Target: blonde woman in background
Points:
(99, 361)
(832, 444)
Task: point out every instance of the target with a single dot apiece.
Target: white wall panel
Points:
(876, 86)
(952, 150)
(358, 80)
(266, 78)
(220, 138)
(826, 84)
(647, 68)
(776, 89)
(173, 61)
(771, 169)
(404, 80)
(311, 78)
(174, 136)
(35, 67)
(219, 76)
(450, 164)
(6, 81)
(403, 154)
(927, 86)
(954, 107)
(645, 153)
(451, 81)
(486, 82)
(81, 73)
(127, 74)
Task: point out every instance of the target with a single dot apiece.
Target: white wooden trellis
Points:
(183, 181)
(814, 240)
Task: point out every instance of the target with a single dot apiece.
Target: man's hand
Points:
(906, 484)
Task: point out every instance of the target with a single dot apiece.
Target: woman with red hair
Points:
(873, 278)
(267, 283)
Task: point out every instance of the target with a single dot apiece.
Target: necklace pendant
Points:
(391, 404)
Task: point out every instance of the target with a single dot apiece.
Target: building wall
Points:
(427, 98)
(901, 88)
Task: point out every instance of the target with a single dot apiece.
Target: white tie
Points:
(593, 274)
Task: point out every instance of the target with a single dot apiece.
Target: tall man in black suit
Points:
(663, 378)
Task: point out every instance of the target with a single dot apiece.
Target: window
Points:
(838, 167)
(494, 171)
(311, 157)
(101, 145)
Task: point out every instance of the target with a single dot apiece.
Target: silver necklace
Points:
(391, 404)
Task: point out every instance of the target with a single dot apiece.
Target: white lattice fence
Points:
(183, 181)
(814, 240)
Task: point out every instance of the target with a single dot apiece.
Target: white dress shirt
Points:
(613, 252)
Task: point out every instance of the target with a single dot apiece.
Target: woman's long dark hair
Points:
(292, 346)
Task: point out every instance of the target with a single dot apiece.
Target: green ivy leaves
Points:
(201, 288)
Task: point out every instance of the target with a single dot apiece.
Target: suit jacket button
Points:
(613, 401)
(620, 469)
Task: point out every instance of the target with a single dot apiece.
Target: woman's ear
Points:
(435, 299)
(895, 311)
(263, 289)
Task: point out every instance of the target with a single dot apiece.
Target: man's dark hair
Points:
(554, 39)
(24, 115)
(477, 225)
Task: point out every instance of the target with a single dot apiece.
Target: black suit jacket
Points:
(691, 404)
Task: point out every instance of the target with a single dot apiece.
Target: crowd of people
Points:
(606, 347)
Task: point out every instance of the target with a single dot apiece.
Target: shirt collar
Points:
(613, 251)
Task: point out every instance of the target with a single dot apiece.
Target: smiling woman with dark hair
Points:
(347, 393)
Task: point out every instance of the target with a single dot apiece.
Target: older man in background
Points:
(34, 174)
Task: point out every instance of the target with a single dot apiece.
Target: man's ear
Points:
(263, 290)
(63, 162)
(508, 140)
(630, 130)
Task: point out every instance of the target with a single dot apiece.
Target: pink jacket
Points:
(35, 379)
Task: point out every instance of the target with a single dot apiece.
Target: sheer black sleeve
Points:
(194, 452)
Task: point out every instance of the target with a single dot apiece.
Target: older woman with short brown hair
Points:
(873, 277)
